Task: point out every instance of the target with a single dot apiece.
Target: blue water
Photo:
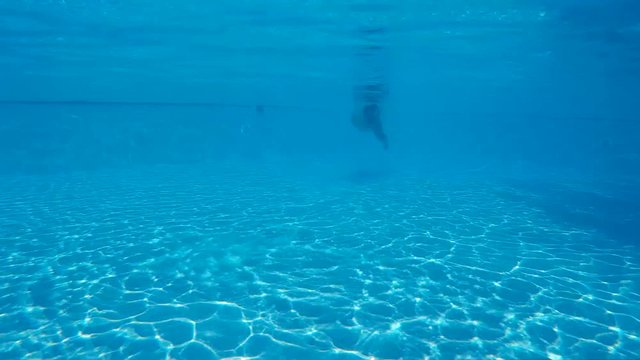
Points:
(184, 180)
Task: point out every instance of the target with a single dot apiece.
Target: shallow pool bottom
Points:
(193, 264)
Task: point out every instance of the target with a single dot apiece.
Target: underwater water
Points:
(201, 179)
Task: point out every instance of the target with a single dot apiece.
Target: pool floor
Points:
(192, 264)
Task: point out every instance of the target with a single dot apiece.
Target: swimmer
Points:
(369, 120)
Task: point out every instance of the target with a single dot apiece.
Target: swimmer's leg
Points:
(376, 127)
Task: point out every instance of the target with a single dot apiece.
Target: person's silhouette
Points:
(367, 117)
(371, 114)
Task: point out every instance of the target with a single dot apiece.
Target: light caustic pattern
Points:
(181, 265)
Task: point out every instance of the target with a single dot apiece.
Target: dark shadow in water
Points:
(365, 176)
(617, 216)
(371, 87)
(43, 295)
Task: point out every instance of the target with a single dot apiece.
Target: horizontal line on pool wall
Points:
(153, 103)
